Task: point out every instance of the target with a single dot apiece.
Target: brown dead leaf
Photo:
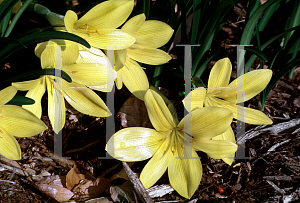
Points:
(74, 176)
(133, 113)
(56, 191)
(91, 188)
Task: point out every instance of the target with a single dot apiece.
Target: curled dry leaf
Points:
(91, 188)
(73, 178)
(56, 191)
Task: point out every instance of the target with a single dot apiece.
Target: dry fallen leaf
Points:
(91, 188)
(133, 113)
(73, 178)
(56, 191)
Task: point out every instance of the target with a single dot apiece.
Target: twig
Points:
(271, 149)
(275, 187)
(285, 178)
(138, 186)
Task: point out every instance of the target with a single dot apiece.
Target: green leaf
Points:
(37, 73)
(4, 23)
(10, 48)
(278, 76)
(250, 25)
(21, 100)
(294, 20)
(16, 17)
(260, 54)
(210, 31)
(6, 7)
(265, 45)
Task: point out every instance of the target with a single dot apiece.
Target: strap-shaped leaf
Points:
(37, 73)
(20, 100)
(37, 38)
(6, 6)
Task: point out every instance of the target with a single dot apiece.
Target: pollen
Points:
(1, 114)
(86, 26)
(74, 71)
(1, 131)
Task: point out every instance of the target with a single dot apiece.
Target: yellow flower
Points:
(94, 71)
(149, 35)
(166, 144)
(98, 25)
(222, 94)
(15, 121)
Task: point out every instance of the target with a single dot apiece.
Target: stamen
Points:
(86, 28)
(97, 32)
(1, 131)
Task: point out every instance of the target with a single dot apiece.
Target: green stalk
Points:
(16, 17)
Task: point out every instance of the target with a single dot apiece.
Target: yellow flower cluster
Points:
(171, 144)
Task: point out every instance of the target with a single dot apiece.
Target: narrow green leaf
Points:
(6, 6)
(267, 15)
(250, 25)
(260, 54)
(265, 45)
(21, 100)
(156, 75)
(33, 38)
(37, 73)
(16, 17)
(293, 21)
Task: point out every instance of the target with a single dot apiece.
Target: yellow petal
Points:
(7, 94)
(252, 116)
(157, 165)
(77, 95)
(119, 80)
(28, 85)
(254, 82)
(36, 94)
(158, 112)
(9, 146)
(40, 47)
(207, 122)
(228, 136)
(216, 149)
(150, 56)
(219, 75)
(153, 34)
(19, 122)
(106, 15)
(56, 104)
(135, 79)
(185, 173)
(92, 55)
(134, 23)
(194, 99)
(112, 39)
(90, 74)
(134, 144)
(70, 19)
(120, 58)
